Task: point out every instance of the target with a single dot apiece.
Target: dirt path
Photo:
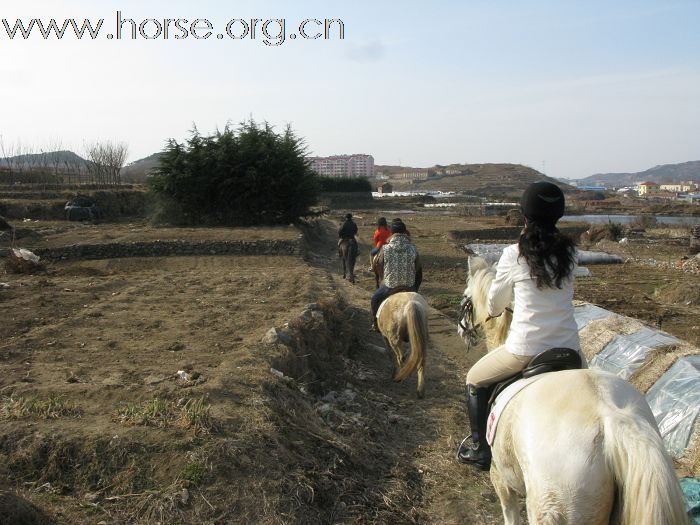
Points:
(428, 430)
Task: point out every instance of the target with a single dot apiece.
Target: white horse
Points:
(403, 317)
(582, 446)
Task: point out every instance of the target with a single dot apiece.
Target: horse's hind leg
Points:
(398, 354)
(510, 503)
(351, 267)
(421, 382)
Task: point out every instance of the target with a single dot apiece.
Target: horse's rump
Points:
(347, 251)
(348, 246)
(573, 439)
(404, 317)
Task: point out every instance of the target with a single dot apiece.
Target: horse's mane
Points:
(478, 285)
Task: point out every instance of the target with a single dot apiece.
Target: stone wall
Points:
(170, 248)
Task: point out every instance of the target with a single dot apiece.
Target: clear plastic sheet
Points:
(585, 313)
(492, 252)
(626, 353)
(675, 401)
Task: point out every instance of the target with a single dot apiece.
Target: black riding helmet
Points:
(542, 202)
(348, 216)
(397, 226)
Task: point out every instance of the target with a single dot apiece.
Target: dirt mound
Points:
(515, 218)
(15, 510)
(300, 431)
(599, 232)
(687, 294)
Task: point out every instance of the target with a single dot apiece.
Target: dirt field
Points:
(301, 427)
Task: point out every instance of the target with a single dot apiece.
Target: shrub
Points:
(644, 222)
(249, 176)
(615, 231)
(344, 184)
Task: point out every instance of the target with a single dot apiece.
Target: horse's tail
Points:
(417, 326)
(647, 483)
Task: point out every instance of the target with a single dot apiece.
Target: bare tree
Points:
(9, 153)
(116, 157)
(105, 161)
(55, 153)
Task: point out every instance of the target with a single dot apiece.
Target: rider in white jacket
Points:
(536, 275)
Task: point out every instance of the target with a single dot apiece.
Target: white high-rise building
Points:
(356, 165)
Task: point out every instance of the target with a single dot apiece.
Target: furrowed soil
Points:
(150, 390)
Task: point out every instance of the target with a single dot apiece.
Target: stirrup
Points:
(476, 457)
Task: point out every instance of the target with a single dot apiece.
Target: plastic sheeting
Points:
(492, 252)
(626, 353)
(587, 257)
(675, 401)
(585, 313)
(489, 252)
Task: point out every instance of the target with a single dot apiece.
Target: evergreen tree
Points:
(249, 176)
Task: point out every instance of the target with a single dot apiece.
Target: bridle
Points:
(466, 313)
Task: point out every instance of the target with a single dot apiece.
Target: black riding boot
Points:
(479, 454)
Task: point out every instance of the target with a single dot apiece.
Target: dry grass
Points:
(658, 362)
(186, 413)
(598, 334)
(52, 407)
(690, 461)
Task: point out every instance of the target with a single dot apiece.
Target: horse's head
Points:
(473, 306)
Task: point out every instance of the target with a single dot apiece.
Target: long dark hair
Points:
(549, 253)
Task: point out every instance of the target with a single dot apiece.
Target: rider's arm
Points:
(380, 264)
(501, 291)
(419, 273)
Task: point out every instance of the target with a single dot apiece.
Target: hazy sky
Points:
(570, 88)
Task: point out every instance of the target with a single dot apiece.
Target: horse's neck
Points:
(496, 329)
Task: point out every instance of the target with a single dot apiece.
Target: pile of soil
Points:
(687, 294)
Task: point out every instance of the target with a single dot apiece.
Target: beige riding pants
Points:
(495, 366)
(498, 365)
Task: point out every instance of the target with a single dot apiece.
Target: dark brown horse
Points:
(376, 270)
(347, 250)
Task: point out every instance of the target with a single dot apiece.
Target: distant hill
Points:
(493, 180)
(48, 158)
(138, 170)
(666, 173)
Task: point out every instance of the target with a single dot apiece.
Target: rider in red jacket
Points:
(381, 237)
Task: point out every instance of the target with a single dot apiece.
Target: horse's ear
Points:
(474, 264)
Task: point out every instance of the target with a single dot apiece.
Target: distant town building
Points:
(452, 171)
(356, 165)
(385, 188)
(678, 187)
(592, 188)
(413, 175)
(647, 187)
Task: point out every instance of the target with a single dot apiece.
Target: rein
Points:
(467, 312)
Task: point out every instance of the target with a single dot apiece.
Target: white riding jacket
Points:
(543, 318)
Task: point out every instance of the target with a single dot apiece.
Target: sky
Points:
(569, 88)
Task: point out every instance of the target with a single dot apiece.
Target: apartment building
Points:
(355, 165)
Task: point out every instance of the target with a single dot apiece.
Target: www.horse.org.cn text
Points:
(270, 31)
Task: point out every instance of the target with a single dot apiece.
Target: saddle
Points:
(400, 289)
(552, 360)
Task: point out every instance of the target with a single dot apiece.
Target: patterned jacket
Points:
(400, 263)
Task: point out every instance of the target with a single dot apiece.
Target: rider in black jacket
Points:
(348, 229)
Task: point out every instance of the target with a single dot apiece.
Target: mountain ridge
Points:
(663, 173)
